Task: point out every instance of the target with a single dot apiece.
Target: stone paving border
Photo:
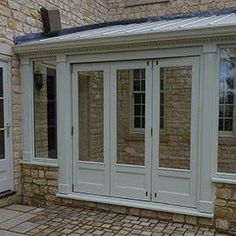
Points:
(62, 220)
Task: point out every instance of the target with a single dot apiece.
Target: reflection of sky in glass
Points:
(226, 91)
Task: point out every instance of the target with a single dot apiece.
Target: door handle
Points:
(8, 128)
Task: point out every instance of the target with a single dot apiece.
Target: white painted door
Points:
(5, 162)
(130, 106)
(175, 131)
(90, 92)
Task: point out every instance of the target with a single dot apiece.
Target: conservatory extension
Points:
(139, 114)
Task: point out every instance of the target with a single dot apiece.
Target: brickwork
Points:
(40, 187)
(225, 208)
(21, 17)
(119, 9)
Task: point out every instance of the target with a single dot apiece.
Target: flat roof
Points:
(172, 23)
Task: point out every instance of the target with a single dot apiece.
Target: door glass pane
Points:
(91, 116)
(130, 116)
(2, 145)
(175, 117)
(1, 82)
(1, 113)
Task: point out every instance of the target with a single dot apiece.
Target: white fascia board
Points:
(35, 46)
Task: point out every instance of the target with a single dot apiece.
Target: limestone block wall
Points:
(19, 17)
(40, 185)
(119, 9)
(225, 207)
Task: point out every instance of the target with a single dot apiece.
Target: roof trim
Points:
(38, 36)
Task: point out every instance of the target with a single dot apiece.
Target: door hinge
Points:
(73, 187)
(151, 131)
(156, 62)
(72, 130)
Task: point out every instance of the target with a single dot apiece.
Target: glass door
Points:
(175, 131)
(91, 126)
(130, 132)
(5, 174)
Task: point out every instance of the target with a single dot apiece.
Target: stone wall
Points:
(19, 17)
(225, 208)
(120, 9)
(40, 187)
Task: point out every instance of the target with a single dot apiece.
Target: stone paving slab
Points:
(61, 221)
(8, 214)
(24, 227)
(16, 221)
(22, 208)
(7, 233)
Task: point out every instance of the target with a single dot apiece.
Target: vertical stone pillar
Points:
(208, 124)
(28, 108)
(64, 139)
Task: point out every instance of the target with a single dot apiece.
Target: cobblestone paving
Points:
(60, 220)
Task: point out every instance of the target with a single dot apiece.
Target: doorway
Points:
(5, 130)
(136, 129)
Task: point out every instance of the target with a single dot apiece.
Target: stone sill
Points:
(223, 179)
(133, 3)
(39, 163)
(135, 204)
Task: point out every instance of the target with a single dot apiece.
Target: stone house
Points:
(129, 108)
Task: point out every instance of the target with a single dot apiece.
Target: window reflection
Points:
(45, 125)
(227, 112)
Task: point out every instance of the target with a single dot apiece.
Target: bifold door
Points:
(131, 127)
(90, 87)
(136, 129)
(175, 131)
(5, 174)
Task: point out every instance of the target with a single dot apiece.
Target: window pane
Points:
(137, 98)
(175, 138)
(221, 124)
(1, 82)
(91, 138)
(45, 117)
(2, 145)
(137, 110)
(227, 112)
(130, 118)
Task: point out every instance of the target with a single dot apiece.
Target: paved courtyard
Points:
(18, 220)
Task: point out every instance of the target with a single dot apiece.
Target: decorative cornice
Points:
(70, 50)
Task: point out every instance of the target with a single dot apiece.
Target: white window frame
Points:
(132, 92)
(222, 133)
(223, 177)
(27, 73)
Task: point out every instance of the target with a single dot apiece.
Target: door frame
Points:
(7, 92)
